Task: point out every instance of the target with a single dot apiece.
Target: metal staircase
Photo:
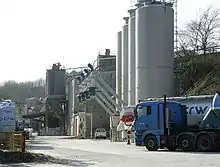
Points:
(104, 95)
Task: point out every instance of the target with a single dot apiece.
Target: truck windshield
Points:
(141, 110)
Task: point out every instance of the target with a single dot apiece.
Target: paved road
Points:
(102, 153)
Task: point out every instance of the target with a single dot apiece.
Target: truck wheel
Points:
(151, 143)
(204, 143)
(185, 142)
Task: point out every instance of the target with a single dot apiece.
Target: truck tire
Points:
(204, 143)
(185, 142)
(151, 143)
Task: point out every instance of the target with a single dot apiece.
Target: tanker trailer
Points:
(197, 107)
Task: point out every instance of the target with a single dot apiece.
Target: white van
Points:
(100, 133)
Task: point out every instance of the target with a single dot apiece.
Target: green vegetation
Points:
(196, 75)
(19, 92)
(208, 85)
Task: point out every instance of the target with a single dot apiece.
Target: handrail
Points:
(108, 96)
(103, 105)
(110, 89)
(102, 98)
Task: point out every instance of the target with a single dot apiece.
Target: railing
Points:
(13, 141)
(104, 94)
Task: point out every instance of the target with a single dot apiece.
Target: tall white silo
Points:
(154, 51)
(119, 65)
(125, 61)
(131, 58)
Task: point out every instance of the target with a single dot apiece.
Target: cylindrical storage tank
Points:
(154, 51)
(55, 80)
(124, 83)
(131, 58)
(119, 65)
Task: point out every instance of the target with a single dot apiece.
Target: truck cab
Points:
(156, 122)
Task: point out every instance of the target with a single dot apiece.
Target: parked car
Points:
(100, 133)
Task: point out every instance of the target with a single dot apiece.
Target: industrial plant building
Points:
(79, 100)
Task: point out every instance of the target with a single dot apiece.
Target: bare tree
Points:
(199, 37)
(202, 34)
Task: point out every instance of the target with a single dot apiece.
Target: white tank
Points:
(196, 107)
(131, 58)
(125, 61)
(154, 51)
(119, 65)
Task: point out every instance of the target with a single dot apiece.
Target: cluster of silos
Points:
(145, 52)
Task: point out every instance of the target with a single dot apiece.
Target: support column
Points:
(85, 121)
(65, 122)
(91, 116)
(46, 119)
(114, 121)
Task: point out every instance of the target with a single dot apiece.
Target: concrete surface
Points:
(102, 153)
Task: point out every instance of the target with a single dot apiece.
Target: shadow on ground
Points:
(180, 151)
(36, 142)
(70, 162)
(40, 159)
(39, 147)
(65, 162)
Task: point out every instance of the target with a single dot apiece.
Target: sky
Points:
(34, 34)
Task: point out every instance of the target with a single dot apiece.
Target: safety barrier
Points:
(13, 141)
(17, 142)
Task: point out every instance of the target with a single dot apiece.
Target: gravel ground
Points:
(102, 153)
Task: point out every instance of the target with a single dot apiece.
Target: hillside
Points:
(19, 92)
(208, 84)
(197, 75)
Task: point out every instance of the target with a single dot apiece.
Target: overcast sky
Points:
(36, 33)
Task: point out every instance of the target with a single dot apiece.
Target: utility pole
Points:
(91, 122)
(85, 120)
(65, 119)
(46, 119)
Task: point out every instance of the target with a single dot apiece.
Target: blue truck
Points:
(163, 124)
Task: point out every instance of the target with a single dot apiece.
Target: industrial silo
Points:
(124, 83)
(154, 50)
(119, 65)
(131, 58)
(55, 81)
